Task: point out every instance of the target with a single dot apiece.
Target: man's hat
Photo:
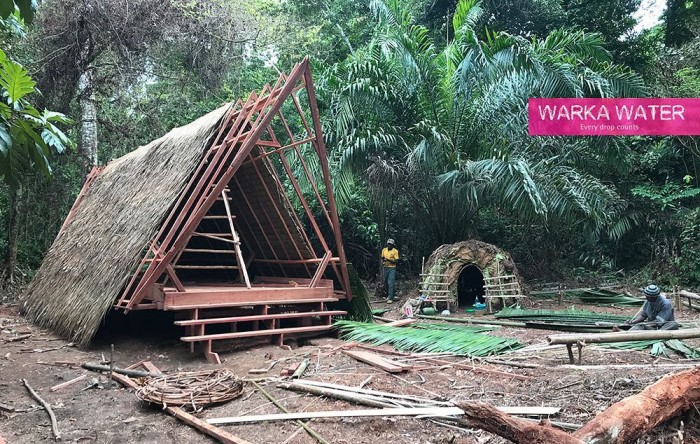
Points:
(652, 291)
(390, 241)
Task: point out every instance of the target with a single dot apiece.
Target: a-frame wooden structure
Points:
(252, 247)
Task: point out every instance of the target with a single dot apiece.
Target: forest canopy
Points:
(424, 112)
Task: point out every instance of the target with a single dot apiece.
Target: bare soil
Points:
(111, 415)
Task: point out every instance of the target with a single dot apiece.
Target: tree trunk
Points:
(87, 147)
(629, 419)
(519, 431)
(623, 422)
(10, 262)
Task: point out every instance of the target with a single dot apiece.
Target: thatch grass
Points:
(464, 341)
(89, 262)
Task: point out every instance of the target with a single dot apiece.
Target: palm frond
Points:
(426, 340)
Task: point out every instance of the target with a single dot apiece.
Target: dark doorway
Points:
(470, 286)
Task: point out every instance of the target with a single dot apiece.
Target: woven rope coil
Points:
(195, 389)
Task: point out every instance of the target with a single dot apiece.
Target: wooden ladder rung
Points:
(248, 318)
(248, 334)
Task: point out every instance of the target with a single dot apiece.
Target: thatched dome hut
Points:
(464, 266)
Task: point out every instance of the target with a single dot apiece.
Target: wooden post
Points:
(237, 242)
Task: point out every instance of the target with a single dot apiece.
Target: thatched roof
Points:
(96, 252)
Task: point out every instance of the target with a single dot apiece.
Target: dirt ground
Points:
(116, 415)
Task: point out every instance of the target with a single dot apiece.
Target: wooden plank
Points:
(249, 334)
(530, 411)
(404, 411)
(297, 281)
(248, 303)
(67, 383)
(222, 296)
(259, 317)
(401, 322)
(374, 360)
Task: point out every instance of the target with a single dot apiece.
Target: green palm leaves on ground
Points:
(572, 316)
(460, 341)
(658, 348)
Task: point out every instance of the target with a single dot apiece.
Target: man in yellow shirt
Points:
(390, 257)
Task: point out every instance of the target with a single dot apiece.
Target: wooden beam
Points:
(236, 240)
(321, 269)
(262, 317)
(419, 411)
(375, 361)
(250, 334)
(638, 335)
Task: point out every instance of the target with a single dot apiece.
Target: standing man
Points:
(656, 313)
(390, 256)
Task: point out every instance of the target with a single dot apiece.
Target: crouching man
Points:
(656, 313)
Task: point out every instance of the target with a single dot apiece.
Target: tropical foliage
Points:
(460, 340)
(446, 124)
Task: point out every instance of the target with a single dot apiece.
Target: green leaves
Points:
(26, 9)
(460, 340)
(15, 81)
(27, 136)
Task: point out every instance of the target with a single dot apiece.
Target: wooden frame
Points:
(261, 223)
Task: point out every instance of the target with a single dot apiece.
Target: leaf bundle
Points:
(464, 341)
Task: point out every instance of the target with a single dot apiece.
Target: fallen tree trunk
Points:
(636, 415)
(623, 422)
(637, 335)
(519, 431)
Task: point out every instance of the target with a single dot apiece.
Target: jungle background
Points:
(424, 114)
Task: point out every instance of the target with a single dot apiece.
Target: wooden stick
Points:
(123, 371)
(479, 369)
(368, 400)
(47, 407)
(639, 335)
(308, 429)
(19, 338)
(474, 321)
(403, 411)
(67, 383)
(111, 365)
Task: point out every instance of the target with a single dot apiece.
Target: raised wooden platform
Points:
(231, 296)
(274, 308)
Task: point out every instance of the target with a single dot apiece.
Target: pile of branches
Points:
(194, 389)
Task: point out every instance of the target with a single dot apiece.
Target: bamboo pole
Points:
(308, 429)
(641, 335)
(474, 321)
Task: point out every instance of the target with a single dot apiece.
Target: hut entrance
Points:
(470, 286)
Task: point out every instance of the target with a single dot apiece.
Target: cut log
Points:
(632, 417)
(623, 422)
(641, 335)
(519, 431)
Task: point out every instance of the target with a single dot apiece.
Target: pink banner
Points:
(614, 117)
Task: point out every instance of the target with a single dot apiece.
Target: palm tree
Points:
(455, 117)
